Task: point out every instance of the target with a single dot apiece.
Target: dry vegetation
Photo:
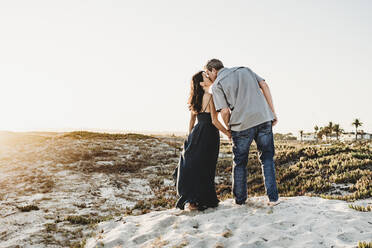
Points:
(337, 171)
(67, 183)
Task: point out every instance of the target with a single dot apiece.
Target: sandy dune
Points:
(296, 222)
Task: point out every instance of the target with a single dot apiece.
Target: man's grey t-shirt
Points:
(237, 88)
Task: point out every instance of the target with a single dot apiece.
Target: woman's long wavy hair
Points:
(196, 93)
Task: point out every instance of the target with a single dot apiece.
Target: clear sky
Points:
(127, 65)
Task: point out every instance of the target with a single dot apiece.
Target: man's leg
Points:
(241, 142)
(266, 149)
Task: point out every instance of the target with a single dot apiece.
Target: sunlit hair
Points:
(196, 93)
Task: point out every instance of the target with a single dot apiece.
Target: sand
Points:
(296, 222)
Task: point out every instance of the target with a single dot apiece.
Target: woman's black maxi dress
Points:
(197, 165)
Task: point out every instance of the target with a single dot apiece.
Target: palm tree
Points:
(330, 128)
(316, 128)
(337, 130)
(301, 134)
(357, 124)
(327, 131)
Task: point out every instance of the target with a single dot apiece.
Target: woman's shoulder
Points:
(206, 94)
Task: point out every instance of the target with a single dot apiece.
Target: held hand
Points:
(275, 121)
(228, 134)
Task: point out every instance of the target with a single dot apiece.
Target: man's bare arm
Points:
(225, 113)
(216, 122)
(266, 92)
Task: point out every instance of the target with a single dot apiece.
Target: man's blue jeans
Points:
(242, 140)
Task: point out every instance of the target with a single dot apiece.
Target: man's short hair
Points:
(214, 63)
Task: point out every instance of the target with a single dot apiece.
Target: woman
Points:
(197, 165)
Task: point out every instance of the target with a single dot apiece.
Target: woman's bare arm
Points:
(192, 120)
(215, 120)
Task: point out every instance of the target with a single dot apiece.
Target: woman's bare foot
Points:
(192, 206)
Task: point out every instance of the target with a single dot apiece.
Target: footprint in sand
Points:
(154, 230)
(284, 225)
(139, 239)
(346, 237)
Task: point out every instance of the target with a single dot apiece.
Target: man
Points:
(243, 98)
